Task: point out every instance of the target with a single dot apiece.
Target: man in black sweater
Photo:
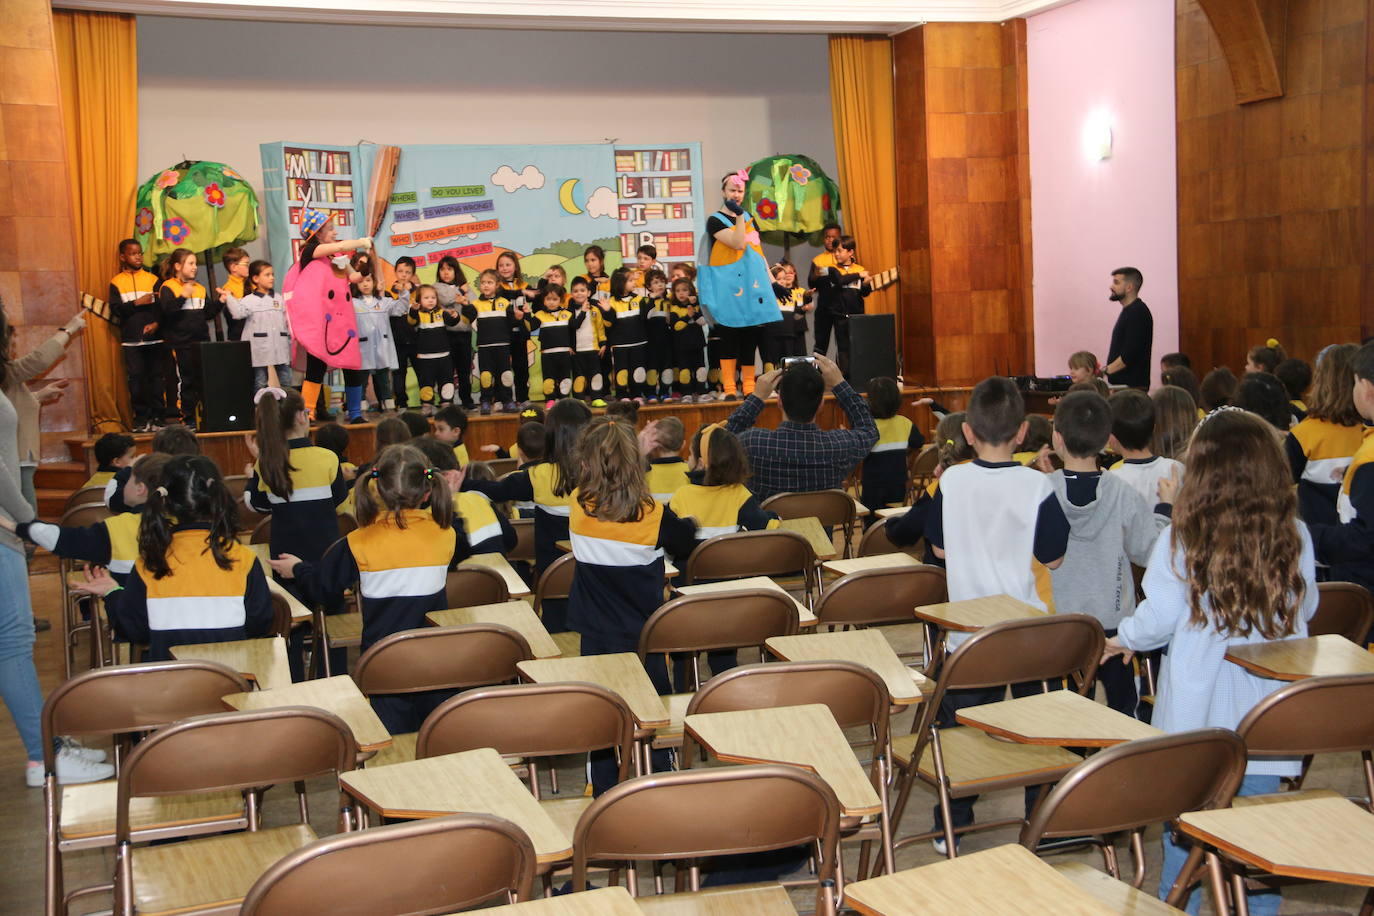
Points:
(1128, 357)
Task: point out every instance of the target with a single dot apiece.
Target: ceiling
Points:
(879, 17)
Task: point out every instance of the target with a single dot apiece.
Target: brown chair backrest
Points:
(855, 695)
(85, 514)
(441, 658)
(1343, 608)
(281, 614)
(500, 467)
(743, 554)
(83, 497)
(555, 582)
(1316, 715)
(881, 595)
(699, 813)
(1142, 782)
(262, 532)
(922, 465)
(531, 720)
(875, 542)
(248, 517)
(833, 508)
(523, 551)
(234, 750)
(400, 870)
(348, 523)
(697, 623)
(469, 586)
(121, 699)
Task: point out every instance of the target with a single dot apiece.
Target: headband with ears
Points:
(277, 393)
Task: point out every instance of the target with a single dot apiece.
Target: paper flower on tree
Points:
(768, 209)
(143, 224)
(168, 178)
(230, 173)
(800, 173)
(214, 196)
(175, 230)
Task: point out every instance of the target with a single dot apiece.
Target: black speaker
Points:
(226, 386)
(872, 349)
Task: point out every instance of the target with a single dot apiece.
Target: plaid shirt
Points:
(802, 457)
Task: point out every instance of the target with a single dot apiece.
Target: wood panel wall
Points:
(37, 238)
(1273, 203)
(963, 198)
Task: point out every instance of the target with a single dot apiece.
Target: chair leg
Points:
(1185, 876)
(946, 814)
(1217, 878)
(1239, 901)
(1138, 858)
(53, 886)
(1367, 908)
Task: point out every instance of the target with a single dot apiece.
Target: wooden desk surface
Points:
(260, 660)
(721, 901)
(1295, 659)
(804, 615)
(476, 782)
(994, 882)
(517, 615)
(822, 545)
(892, 512)
(1319, 838)
(603, 901)
(1061, 718)
(860, 510)
(976, 613)
(337, 694)
(878, 561)
(299, 611)
(514, 584)
(804, 736)
(621, 673)
(1116, 895)
(669, 570)
(865, 647)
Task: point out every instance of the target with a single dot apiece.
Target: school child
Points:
(450, 426)
(193, 582)
(988, 520)
(953, 449)
(495, 319)
(133, 303)
(884, 467)
(238, 266)
(720, 502)
(1133, 427)
(452, 288)
(659, 352)
(1236, 567)
(1217, 389)
(662, 442)
(374, 314)
(402, 331)
(619, 536)
(840, 292)
(822, 262)
(1083, 366)
(589, 338)
(398, 558)
(594, 257)
(646, 259)
(487, 529)
(1111, 526)
(186, 317)
(1265, 357)
(416, 422)
(262, 322)
(1263, 395)
(549, 484)
(516, 291)
(1038, 439)
(1183, 377)
(1321, 447)
(558, 325)
(688, 343)
(334, 436)
(623, 315)
(1296, 377)
(1344, 547)
(1174, 361)
(169, 440)
(1176, 416)
(112, 452)
(787, 336)
(433, 366)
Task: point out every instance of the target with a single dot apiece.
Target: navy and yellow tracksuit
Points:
(666, 476)
(140, 335)
(1320, 452)
(721, 510)
(689, 349)
(196, 602)
(433, 360)
(496, 327)
(659, 352)
(110, 542)
(487, 531)
(305, 523)
(557, 340)
(884, 467)
(627, 331)
(514, 290)
(1348, 547)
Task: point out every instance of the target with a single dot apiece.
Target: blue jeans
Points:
(260, 376)
(18, 678)
(1263, 903)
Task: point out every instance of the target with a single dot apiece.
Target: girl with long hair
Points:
(1176, 416)
(1321, 446)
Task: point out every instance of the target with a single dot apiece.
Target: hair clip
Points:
(429, 473)
(162, 491)
(529, 413)
(743, 176)
(373, 474)
(1272, 343)
(949, 442)
(1224, 408)
(275, 392)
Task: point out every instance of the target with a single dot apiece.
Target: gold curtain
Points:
(97, 61)
(861, 100)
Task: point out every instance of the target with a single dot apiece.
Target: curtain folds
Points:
(97, 65)
(861, 101)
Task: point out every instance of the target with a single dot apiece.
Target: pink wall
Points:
(1112, 58)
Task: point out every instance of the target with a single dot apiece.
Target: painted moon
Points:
(565, 196)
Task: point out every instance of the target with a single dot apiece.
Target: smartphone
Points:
(795, 360)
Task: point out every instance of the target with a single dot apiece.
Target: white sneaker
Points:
(89, 754)
(941, 847)
(71, 769)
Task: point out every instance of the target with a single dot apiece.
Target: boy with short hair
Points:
(1111, 527)
(1133, 427)
(236, 264)
(989, 519)
(450, 425)
(662, 442)
(840, 293)
(133, 303)
(112, 452)
(1348, 548)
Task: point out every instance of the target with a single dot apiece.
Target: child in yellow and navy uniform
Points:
(667, 471)
(112, 452)
(906, 529)
(840, 293)
(787, 336)
(619, 536)
(721, 503)
(589, 337)
(1039, 436)
(884, 467)
(496, 320)
(433, 363)
(1321, 446)
(520, 294)
(659, 351)
(193, 582)
(399, 558)
(488, 531)
(133, 301)
(689, 343)
(186, 316)
(624, 317)
(558, 325)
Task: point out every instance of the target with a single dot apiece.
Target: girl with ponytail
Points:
(193, 581)
(399, 558)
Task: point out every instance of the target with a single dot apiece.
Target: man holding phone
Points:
(799, 456)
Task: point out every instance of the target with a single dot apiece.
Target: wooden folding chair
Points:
(555, 584)
(262, 532)
(469, 586)
(85, 497)
(1343, 608)
(745, 554)
(876, 597)
(72, 622)
(875, 542)
(122, 702)
(833, 508)
(500, 467)
(400, 869)
(523, 551)
(921, 470)
(248, 518)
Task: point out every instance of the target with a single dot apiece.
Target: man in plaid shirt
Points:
(799, 456)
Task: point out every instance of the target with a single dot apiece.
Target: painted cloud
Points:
(528, 177)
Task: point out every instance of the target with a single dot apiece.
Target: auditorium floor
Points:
(21, 820)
